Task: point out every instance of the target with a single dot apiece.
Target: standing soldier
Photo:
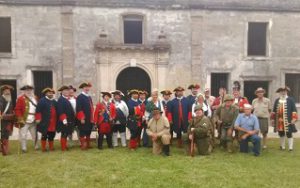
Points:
(72, 99)
(200, 130)
(25, 112)
(166, 102)
(105, 114)
(143, 103)
(134, 123)
(66, 116)
(195, 88)
(225, 116)
(159, 131)
(46, 118)
(84, 113)
(6, 117)
(179, 114)
(262, 108)
(121, 118)
(239, 101)
(217, 102)
(284, 117)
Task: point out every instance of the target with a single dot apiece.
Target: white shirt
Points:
(31, 111)
(123, 107)
(73, 103)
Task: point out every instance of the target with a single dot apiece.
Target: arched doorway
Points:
(133, 78)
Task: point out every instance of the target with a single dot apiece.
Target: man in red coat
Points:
(104, 116)
(25, 112)
(46, 118)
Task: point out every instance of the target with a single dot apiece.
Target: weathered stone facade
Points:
(83, 40)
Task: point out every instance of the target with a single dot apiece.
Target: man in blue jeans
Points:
(248, 127)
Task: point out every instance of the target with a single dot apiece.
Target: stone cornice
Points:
(225, 5)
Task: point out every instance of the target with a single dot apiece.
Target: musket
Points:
(192, 149)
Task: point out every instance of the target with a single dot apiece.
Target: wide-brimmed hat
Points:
(48, 89)
(198, 107)
(26, 87)
(228, 97)
(259, 90)
(247, 106)
(4, 87)
(85, 84)
(156, 111)
(283, 89)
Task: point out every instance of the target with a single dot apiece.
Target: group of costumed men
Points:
(152, 121)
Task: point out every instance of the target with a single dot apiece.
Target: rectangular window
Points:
(257, 38)
(42, 79)
(133, 30)
(218, 80)
(293, 82)
(5, 35)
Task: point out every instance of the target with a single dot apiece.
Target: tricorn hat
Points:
(194, 86)
(133, 91)
(104, 93)
(179, 88)
(26, 87)
(85, 84)
(143, 92)
(166, 92)
(48, 89)
(73, 88)
(283, 89)
(64, 87)
(117, 92)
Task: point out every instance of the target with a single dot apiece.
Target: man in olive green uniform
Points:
(226, 115)
(200, 129)
(159, 130)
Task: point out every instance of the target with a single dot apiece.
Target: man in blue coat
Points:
(66, 116)
(179, 114)
(46, 118)
(84, 113)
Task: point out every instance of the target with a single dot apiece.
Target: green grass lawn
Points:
(121, 167)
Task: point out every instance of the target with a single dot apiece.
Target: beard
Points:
(7, 98)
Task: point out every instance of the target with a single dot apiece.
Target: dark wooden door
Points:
(42, 79)
(251, 86)
(14, 84)
(133, 78)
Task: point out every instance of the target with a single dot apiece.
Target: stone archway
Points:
(133, 78)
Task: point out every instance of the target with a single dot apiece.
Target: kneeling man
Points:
(248, 128)
(159, 131)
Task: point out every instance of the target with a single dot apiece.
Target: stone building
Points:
(121, 44)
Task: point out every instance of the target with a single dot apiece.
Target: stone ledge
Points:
(142, 47)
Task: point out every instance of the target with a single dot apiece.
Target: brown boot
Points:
(83, 144)
(88, 142)
(4, 147)
(43, 145)
(51, 145)
(179, 143)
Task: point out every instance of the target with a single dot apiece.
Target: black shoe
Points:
(290, 150)
(166, 150)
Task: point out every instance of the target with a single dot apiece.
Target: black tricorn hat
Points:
(283, 89)
(73, 88)
(64, 87)
(48, 89)
(179, 88)
(104, 93)
(166, 92)
(26, 87)
(85, 84)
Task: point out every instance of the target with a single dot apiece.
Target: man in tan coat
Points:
(159, 131)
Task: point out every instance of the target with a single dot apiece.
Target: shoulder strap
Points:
(30, 101)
